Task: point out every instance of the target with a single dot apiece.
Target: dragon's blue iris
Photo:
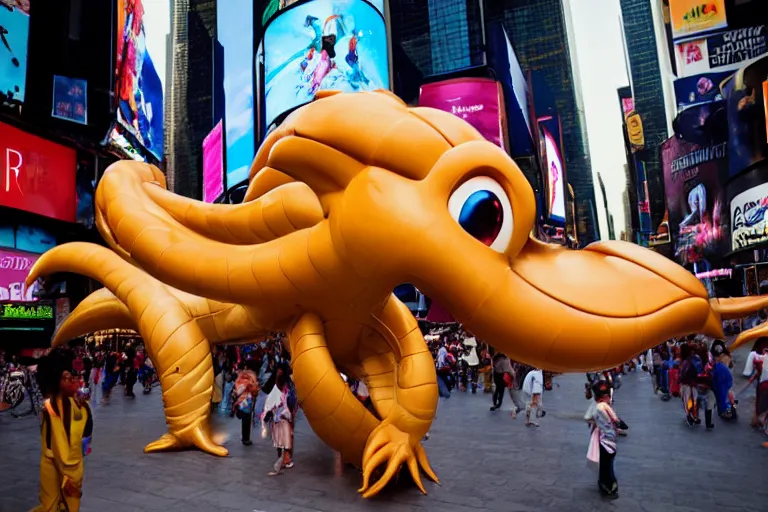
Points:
(482, 216)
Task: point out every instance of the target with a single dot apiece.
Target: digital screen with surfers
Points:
(273, 7)
(323, 44)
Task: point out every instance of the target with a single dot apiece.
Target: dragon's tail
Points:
(739, 307)
(100, 310)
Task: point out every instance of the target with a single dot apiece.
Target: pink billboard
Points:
(478, 101)
(213, 164)
(14, 267)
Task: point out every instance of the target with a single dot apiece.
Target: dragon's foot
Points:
(198, 436)
(388, 444)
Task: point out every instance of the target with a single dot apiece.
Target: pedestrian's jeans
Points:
(442, 386)
(607, 477)
(498, 392)
(245, 423)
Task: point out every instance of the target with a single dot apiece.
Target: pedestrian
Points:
(602, 421)
(279, 413)
(443, 366)
(66, 429)
(245, 390)
(111, 374)
(533, 387)
(501, 368)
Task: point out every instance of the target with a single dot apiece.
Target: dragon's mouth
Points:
(592, 309)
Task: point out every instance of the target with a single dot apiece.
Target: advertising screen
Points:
(14, 35)
(693, 175)
(213, 165)
(142, 27)
(746, 125)
(37, 175)
(323, 44)
(698, 89)
(555, 176)
(274, 7)
(750, 222)
(14, 268)
(235, 33)
(70, 99)
(478, 101)
(690, 17)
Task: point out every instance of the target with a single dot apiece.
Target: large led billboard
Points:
(14, 38)
(213, 164)
(549, 134)
(142, 29)
(323, 44)
(234, 19)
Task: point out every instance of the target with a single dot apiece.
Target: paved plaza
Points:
(485, 460)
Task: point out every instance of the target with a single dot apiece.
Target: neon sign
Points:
(26, 312)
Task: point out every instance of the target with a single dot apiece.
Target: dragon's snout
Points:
(592, 309)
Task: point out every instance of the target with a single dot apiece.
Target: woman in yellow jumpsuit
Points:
(65, 435)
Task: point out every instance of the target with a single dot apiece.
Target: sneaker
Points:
(247, 443)
(493, 407)
(426, 436)
(532, 424)
(274, 473)
(289, 465)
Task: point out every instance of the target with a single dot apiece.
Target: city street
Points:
(486, 461)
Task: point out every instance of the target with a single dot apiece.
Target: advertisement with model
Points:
(323, 44)
(140, 70)
(213, 164)
(478, 101)
(14, 35)
(748, 214)
(694, 172)
(37, 175)
(554, 172)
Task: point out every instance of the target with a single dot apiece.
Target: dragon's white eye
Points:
(481, 206)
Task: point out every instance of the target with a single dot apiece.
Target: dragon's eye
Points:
(482, 208)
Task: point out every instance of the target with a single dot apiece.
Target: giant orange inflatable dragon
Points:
(350, 196)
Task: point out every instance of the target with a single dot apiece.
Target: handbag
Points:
(593, 451)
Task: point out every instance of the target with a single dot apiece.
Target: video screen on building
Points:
(554, 174)
(234, 19)
(213, 165)
(142, 29)
(273, 8)
(323, 44)
(14, 37)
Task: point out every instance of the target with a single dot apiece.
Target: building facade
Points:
(538, 31)
(190, 103)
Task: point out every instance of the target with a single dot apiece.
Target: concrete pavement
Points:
(485, 460)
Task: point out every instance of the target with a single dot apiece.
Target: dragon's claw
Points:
(393, 447)
(197, 436)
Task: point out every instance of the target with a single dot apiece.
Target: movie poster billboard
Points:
(14, 40)
(323, 44)
(478, 101)
(142, 27)
(748, 213)
(693, 178)
(213, 164)
(691, 17)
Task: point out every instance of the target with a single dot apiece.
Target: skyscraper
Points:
(538, 31)
(190, 103)
(646, 83)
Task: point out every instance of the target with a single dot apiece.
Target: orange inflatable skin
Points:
(350, 196)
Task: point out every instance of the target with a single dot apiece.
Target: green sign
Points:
(26, 312)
